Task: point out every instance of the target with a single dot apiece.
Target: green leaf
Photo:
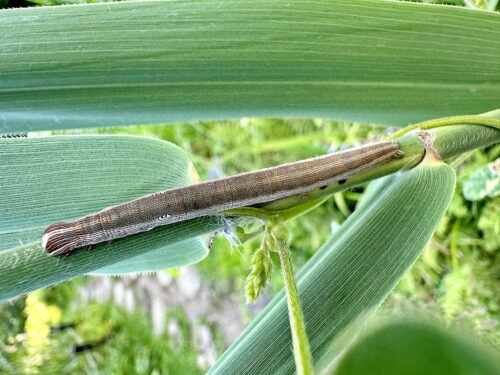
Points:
(46, 180)
(351, 274)
(159, 259)
(165, 61)
(418, 348)
(485, 181)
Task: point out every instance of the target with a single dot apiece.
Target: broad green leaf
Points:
(46, 180)
(350, 275)
(418, 348)
(165, 61)
(28, 267)
(159, 259)
(50, 179)
(485, 181)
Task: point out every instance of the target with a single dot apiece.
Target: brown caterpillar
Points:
(246, 189)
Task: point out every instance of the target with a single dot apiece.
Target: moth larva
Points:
(246, 189)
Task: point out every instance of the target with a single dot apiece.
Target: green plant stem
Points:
(301, 350)
(462, 158)
(245, 237)
(275, 214)
(447, 121)
(452, 141)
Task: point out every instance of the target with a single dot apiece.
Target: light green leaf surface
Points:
(192, 250)
(28, 267)
(418, 348)
(46, 180)
(164, 61)
(50, 179)
(350, 275)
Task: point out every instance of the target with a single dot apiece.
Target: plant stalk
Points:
(448, 121)
(301, 350)
(275, 214)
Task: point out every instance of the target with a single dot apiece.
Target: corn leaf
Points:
(46, 180)
(416, 347)
(165, 61)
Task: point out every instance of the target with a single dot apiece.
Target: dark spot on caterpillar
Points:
(342, 182)
(323, 187)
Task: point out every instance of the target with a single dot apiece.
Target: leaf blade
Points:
(27, 268)
(398, 347)
(50, 179)
(91, 66)
(42, 183)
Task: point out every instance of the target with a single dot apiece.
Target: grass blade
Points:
(418, 348)
(45, 180)
(165, 61)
